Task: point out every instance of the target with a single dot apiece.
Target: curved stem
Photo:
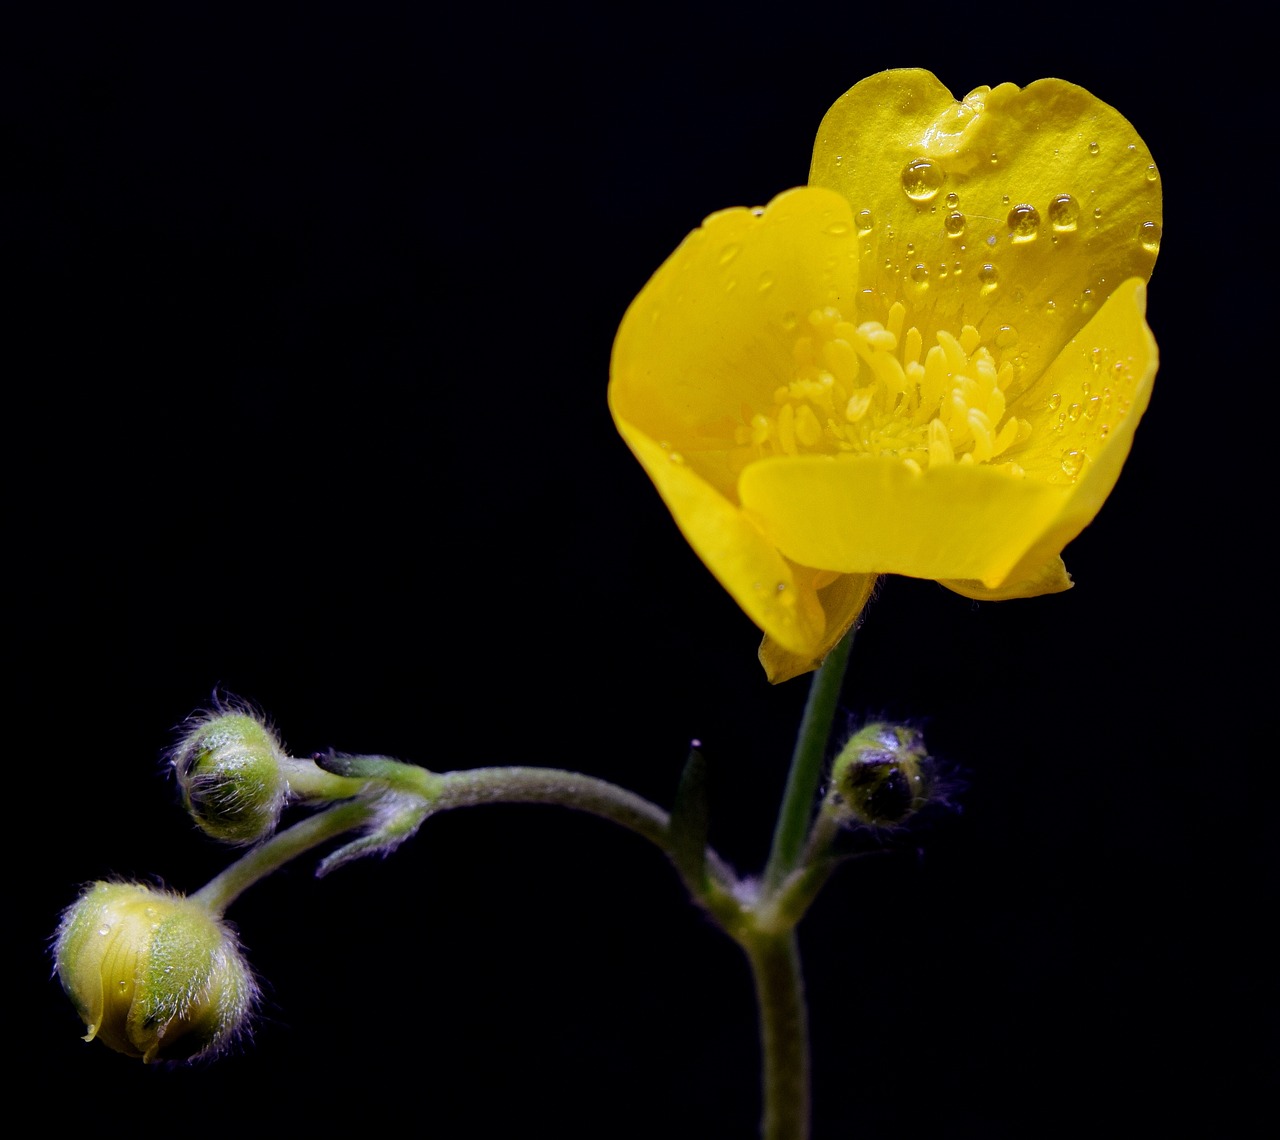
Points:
(221, 891)
(806, 765)
(784, 1034)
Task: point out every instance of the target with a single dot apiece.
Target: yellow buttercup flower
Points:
(930, 361)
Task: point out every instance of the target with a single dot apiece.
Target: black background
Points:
(309, 340)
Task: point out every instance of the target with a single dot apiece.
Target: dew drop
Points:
(1055, 401)
(995, 158)
(1152, 173)
(1073, 412)
(953, 200)
(1094, 148)
(864, 221)
(1050, 307)
(920, 274)
(729, 253)
(1092, 406)
(1072, 461)
(1097, 211)
(104, 929)
(1004, 199)
(1104, 431)
(1086, 302)
(1024, 223)
(123, 985)
(953, 223)
(1149, 235)
(757, 211)
(839, 159)
(989, 278)
(922, 179)
(1063, 212)
(1006, 336)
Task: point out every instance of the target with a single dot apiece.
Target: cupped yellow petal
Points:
(996, 524)
(842, 600)
(1016, 211)
(709, 338)
(756, 575)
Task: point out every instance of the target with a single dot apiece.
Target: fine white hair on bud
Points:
(152, 973)
(229, 766)
(883, 775)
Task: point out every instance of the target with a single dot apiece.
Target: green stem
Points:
(473, 786)
(221, 891)
(784, 1034)
(806, 765)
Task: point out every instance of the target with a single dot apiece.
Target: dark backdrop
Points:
(309, 339)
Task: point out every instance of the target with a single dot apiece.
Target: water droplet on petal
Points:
(989, 277)
(1152, 173)
(1094, 148)
(1055, 401)
(1063, 212)
(953, 223)
(839, 159)
(1006, 336)
(1072, 461)
(953, 200)
(922, 179)
(104, 929)
(864, 221)
(1097, 211)
(1149, 235)
(1024, 223)
(920, 274)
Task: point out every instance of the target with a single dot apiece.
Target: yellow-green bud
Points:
(882, 775)
(229, 766)
(151, 973)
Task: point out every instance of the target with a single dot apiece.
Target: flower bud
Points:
(882, 775)
(229, 766)
(151, 973)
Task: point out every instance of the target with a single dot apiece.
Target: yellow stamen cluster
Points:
(864, 390)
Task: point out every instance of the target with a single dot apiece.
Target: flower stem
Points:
(470, 787)
(784, 1034)
(221, 891)
(792, 829)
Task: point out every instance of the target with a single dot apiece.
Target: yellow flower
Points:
(930, 361)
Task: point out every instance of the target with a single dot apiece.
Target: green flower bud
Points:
(882, 775)
(151, 973)
(230, 768)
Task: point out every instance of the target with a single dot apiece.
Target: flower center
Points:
(864, 390)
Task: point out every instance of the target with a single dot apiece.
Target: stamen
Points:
(939, 404)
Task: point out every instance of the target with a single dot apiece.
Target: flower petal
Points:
(711, 330)
(899, 147)
(842, 601)
(876, 515)
(758, 578)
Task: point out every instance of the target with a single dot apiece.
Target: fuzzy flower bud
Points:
(151, 973)
(882, 775)
(230, 768)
